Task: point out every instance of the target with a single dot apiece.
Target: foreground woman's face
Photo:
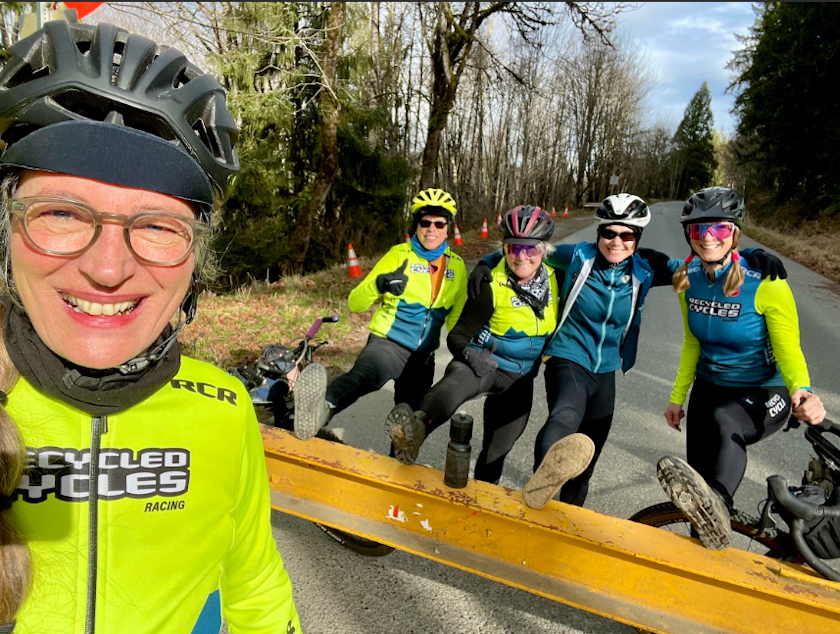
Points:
(103, 307)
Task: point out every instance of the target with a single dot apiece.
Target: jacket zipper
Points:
(98, 426)
(610, 304)
(431, 302)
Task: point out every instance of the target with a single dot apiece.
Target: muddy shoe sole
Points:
(406, 432)
(565, 459)
(704, 508)
(310, 406)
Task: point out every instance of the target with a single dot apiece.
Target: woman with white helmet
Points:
(133, 478)
(601, 298)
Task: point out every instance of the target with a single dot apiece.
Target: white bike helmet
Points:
(623, 209)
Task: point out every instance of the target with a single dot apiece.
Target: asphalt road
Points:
(337, 591)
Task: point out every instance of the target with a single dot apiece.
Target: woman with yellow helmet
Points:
(422, 285)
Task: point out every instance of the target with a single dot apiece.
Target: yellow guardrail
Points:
(625, 571)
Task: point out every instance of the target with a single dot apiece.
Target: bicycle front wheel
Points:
(744, 529)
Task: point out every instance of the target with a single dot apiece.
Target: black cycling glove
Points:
(393, 282)
(482, 273)
(481, 360)
(769, 265)
(655, 258)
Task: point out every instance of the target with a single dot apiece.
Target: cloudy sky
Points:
(688, 43)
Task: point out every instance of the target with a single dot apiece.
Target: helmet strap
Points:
(186, 313)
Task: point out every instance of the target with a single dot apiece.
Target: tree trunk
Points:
(328, 167)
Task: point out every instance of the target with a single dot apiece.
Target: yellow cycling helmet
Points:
(439, 200)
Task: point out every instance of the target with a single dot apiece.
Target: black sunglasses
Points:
(439, 224)
(609, 234)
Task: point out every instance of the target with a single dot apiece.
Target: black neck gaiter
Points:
(97, 392)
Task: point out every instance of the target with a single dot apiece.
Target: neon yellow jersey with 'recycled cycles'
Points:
(181, 536)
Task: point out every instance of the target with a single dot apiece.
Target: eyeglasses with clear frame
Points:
(57, 226)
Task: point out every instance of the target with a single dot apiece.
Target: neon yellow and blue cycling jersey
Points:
(518, 334)
(412, 319)
(179, 531)
(750, 339)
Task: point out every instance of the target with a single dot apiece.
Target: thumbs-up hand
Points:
(393, 282)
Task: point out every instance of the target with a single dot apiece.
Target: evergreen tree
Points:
(270, 65)
(787, 108)
(694, 151)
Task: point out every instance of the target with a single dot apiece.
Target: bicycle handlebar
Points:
(316, 325)
(803, 513)
(815, 434)
(804, 510)
(798, 534)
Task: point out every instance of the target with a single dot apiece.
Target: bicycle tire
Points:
(359, 545)
(667, 514)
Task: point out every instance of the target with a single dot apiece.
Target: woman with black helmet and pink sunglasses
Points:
(742, 358)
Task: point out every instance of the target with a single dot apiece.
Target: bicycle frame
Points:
(800, 514)
(267, 371)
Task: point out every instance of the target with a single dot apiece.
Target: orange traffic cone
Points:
(458, 240)
(553, 212)
(566, 212)
(484, 229)
(499, 221)
(353, 262)
(407, 238)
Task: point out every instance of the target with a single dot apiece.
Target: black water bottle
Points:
(457, 470)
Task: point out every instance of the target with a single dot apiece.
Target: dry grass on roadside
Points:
(812, 244)
(230, 330)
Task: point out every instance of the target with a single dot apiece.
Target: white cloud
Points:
(689, 43)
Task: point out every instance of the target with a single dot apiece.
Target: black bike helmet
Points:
(526, 224)
(623, 209)
(714, 203)
(92, 83)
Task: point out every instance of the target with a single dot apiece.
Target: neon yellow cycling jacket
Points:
(178, 534)
(412, 319)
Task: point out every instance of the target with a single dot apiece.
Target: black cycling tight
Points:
(506, 410)
(578, 401)
(380, 361)
(722, 421)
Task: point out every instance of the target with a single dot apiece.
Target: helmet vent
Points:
(83, 46)
(27, 74)
(116, 62)
(86, 106)
(207, 139)
(182, 78)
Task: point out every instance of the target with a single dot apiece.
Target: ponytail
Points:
(15, 564)
(735, 277)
